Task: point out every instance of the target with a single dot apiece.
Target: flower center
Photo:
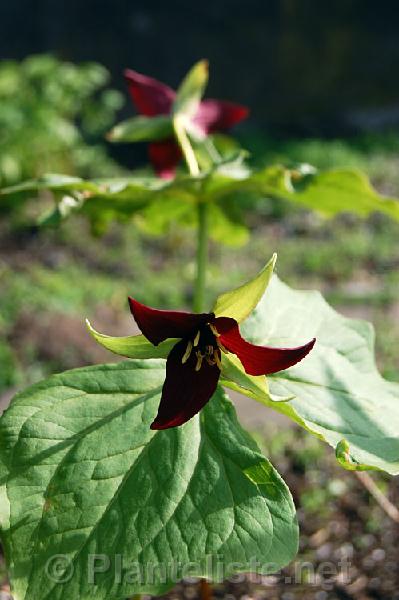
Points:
(206, 346)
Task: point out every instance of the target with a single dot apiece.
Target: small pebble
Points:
(344, 551)
(324, 551)
(375, 583)
(367, 540)
(378, 554)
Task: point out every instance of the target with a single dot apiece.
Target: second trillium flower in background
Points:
(195, 346)
(153, 98)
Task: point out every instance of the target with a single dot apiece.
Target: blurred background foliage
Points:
(53, 117)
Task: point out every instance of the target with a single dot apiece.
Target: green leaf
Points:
(327, 192)
(65, 207)
(239, 303)
(179, 209)
(84, 475)
(157, 218)
(227, 187)
(227, 180)
(224, 229)
(341, 190)
(191, 90)
(132, 346)
(339, 394)
(142, 129)
(63, 184)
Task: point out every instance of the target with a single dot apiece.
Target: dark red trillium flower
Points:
(194, 364)
(151, 98)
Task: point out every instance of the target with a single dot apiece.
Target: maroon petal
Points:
(258, 360)
(185, 390)
(216, 115)
(151, 97)
(165, 156)
(158, 325)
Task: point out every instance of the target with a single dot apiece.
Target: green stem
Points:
(186, 147)
(202, 212)
(202, 257)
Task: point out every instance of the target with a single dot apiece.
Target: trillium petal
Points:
(158, 325)
(217, 115)
(185, 391)
(150, 96)
(165, 156)
(258, 360)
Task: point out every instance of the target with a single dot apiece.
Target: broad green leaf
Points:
(63, 184)
(224, 229)
(132, 346)
(341, 190)
(65, 207)
(339, 394)
(83, 475)
(327, 192)
(231, 178)
(239, 303)
(167, 210)
(191, 90)
(158, 217)
(227, 188)
(142, 129)
(125, 198)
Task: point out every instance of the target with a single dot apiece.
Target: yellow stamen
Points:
(199, 361)
(196, 339)
(214, 330)
(217, 359)
(223, 349)
(187, 353)
(209, 350)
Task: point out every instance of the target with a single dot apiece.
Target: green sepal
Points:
(191, 90)
(132, 346)
(239, 303)
(252, 386)
(256, 387)
(142, 129)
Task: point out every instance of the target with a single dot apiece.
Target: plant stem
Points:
(202, 215)
(205, 590)
(186, 147)
(391, 510)
(202, 257)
